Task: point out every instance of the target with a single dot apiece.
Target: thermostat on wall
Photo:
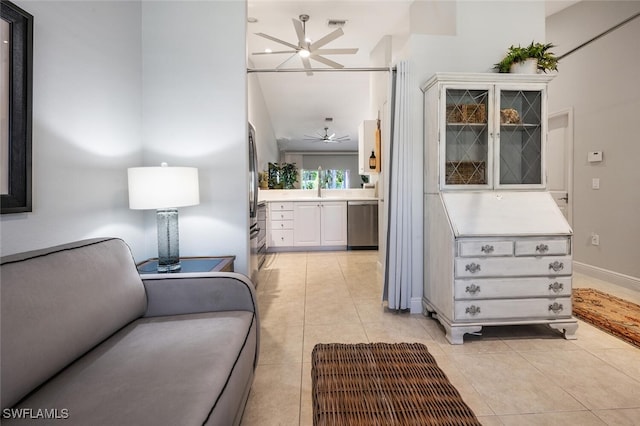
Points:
(594, 156)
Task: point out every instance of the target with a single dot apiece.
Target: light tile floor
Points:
(518, 375)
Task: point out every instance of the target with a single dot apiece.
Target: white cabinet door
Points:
(306, 224)
(334, 223)
(366, 145)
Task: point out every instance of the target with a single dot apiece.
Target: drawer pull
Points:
(475, 310)
(282, 225)
(472, 267)
(542, 248)
(556, 266)
(473, 289)
(556, 307)
(487, 249)
(556, 287)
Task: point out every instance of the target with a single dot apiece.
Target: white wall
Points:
(122, 84)
(266, 143)
(195, 114)
(601, 82)
(483, 32)
(86, 125)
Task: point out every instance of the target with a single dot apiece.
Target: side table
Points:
(191, 264)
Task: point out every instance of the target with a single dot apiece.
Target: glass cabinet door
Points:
(466, 149)
(520, 149)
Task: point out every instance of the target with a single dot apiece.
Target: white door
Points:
(560, 160)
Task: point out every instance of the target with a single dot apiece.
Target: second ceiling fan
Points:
(307, 50)
(327, 138)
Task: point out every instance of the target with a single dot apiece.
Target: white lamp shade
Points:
(163, 187)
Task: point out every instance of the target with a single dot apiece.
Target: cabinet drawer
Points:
(288, 205)
(485, 248)
(515, 309)
(502, 288)
(281, 238)
(281, 224)
(282, 215)
(472, 267)
(542, 247)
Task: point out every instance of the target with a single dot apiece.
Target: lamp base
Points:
(169, 268)
(168, 249)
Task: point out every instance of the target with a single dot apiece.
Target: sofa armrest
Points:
(189, 293)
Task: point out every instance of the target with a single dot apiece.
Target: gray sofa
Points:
(86, 341)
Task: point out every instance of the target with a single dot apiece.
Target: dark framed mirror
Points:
(16, 109)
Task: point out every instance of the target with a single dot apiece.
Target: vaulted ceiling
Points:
(298, 104)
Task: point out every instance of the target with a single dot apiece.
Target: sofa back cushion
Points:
(60, 302)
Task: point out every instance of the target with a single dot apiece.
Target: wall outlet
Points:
(595, 239)
(595, 183)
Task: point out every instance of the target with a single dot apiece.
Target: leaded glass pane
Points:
(466, 137)
(520, 137)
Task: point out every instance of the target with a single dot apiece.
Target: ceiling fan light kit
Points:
(307, 50)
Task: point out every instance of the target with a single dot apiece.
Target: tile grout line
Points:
(304, 326)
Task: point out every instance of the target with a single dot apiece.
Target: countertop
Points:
(280, 195)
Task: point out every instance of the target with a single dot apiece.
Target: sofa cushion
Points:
(158, 371)
(59, 303)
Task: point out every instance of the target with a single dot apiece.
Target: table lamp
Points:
(165, 189)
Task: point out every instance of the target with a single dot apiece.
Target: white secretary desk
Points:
(497, 247)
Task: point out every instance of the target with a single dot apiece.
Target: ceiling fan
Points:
(307, 50)
(327, 138)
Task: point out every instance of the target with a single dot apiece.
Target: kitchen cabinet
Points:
(498, 250)
(367, 145)
(320, 223)
(280, 222)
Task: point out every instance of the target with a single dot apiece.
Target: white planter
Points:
(530, 66)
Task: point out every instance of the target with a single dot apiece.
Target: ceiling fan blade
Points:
(299, 31)
(277, 40)
(326, 61)
(326, 39)
(307, 65)
(287, 60)
(336, 51)
(332, 135)
(274, 53)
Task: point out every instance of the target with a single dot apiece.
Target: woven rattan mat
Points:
(383, 384)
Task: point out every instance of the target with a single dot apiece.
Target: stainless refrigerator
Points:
(254, 229)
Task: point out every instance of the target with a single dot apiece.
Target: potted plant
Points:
(282, 176)
(535, 57)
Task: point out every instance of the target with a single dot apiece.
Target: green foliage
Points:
(546, 59)
(282, 176)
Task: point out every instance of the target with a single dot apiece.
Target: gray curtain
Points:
(397, 285)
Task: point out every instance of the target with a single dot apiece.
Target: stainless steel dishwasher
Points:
(362, 225)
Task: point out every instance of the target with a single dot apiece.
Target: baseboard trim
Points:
(416, 305)
(613, 277)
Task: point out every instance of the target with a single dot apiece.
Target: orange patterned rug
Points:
(609, 313)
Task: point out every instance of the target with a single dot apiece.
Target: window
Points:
(331, 179)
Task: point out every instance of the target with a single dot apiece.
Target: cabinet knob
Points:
(487, 249)
(472, 267)
(282, 225)
(475, 310)
(556, 266)
(556, 307)
(556, 287)
(473, 289)
(542, 248)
